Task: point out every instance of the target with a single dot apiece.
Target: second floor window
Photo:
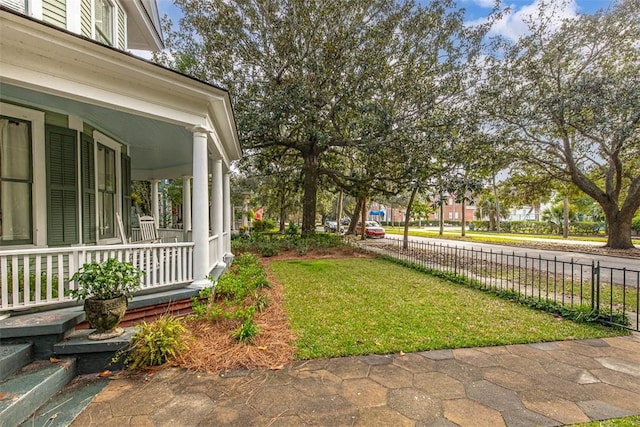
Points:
(103, 13)
(17, 5)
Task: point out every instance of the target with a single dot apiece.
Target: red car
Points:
(371, 229)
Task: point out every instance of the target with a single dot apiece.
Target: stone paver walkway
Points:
(542, 384)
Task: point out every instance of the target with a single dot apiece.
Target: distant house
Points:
(80, 118)
(452, 211)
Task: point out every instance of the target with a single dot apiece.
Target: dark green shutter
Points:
(88, 174)
(126, 192)
(62, 189)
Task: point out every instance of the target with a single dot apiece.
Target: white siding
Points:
(55, 12)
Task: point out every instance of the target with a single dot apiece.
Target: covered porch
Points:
(94, 119)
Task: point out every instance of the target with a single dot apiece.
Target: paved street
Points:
(576, 256)
(612, 268)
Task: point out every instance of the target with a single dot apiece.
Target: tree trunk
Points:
(339, 213)
(283, 212)
(354, 217)
(405, 238)
(618, 231)
(441, 231)
(565, 222)
(464, 217)
(310, 170)
(363, 214)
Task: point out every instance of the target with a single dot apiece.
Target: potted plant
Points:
(105, 288)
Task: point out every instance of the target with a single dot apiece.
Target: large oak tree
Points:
(567, 98)
(334, 82)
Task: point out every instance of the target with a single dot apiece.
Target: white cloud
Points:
(487, 4)
(144, 54)
(515, 23)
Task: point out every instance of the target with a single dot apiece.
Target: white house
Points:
(79, 119)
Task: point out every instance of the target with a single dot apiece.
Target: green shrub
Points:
(292, 229)
(584, 228)
(268, 249)
(105, 280)
(272, 245)
(231, 287)
(260, 226)
(635, 224)
(245, 275)
(155, 343)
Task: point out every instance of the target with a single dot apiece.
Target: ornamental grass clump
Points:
(155, 343)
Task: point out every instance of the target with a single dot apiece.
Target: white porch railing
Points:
(165, 234)
(226, 242)
(213, 251)
(38, 277)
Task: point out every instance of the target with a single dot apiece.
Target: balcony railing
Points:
(40, 277)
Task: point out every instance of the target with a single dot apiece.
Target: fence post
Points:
(455, 261)
(598, 287)
(595, 286)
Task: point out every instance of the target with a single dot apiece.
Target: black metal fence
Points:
(609, 292)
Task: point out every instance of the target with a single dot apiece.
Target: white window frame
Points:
(100, 138)
(114, 22)
(39, 185)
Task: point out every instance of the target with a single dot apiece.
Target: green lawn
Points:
(616, 422)
(341, 307)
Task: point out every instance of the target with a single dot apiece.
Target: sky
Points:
(511, 25)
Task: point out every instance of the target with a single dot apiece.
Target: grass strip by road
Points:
(354, 306)
(489, 237)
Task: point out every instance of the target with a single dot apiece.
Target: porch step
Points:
(41, 329)
(65, 406)
(23, 393)
(13, 357)
(93, 356)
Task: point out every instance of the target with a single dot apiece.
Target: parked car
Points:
(331, 226)
(371, 229)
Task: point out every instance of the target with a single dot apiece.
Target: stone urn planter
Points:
(105, 288)
(104, 315)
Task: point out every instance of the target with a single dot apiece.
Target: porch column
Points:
(186, 206)
(200, 214)
(155, 211)
(226, 191)
(217, 206)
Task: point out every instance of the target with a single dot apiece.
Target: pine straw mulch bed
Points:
(212, 349)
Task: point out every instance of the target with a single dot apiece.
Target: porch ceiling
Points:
(156, 147)
(148, 107)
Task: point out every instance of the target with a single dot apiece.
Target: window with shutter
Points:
(126, 192)
(16, 181)
(88, 181)
(62, 191)
(107, 191)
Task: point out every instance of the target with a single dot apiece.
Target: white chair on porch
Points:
(123, 236)
(148, 230)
